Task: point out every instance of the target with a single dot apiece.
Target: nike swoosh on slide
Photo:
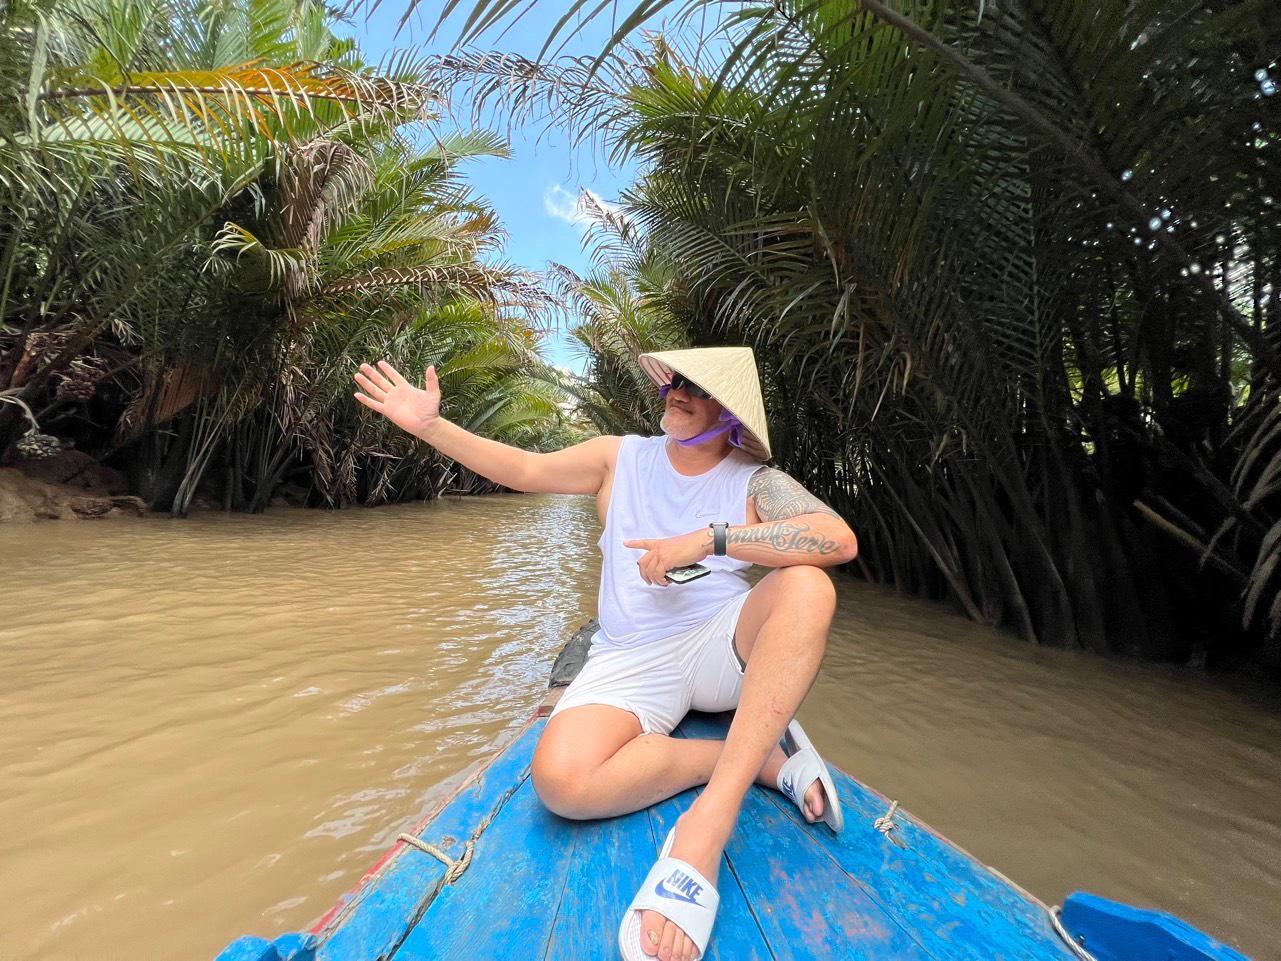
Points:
(663, 891)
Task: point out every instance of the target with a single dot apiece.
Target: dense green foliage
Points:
(1012, 274)
(211, 211)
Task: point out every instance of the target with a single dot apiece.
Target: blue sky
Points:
(534, 192)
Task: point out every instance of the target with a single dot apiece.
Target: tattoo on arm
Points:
(785, 536)
(779, 497)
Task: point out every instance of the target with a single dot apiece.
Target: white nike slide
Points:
(677, 892)
(802, 768)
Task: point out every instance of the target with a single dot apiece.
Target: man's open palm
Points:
(385, 390)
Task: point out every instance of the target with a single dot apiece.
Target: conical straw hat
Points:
(729, 375)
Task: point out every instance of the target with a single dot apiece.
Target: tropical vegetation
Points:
(211, 211)
(1012, 271)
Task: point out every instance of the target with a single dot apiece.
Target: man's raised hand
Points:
(385, 390)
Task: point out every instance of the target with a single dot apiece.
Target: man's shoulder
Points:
(639, 440)
(606, 446)
(762, 472)
(603, 441)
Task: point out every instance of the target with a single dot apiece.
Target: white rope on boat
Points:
(1071, 942)
(453, 869)
(886, 824)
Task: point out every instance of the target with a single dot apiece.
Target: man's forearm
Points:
(820, 540)
(499, 463)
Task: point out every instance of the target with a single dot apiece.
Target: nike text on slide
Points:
(679, 886)
(789, 789)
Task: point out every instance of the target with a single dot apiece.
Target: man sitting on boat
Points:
(698, 494)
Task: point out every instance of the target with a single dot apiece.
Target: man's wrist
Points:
(707, 543)
(431, 432)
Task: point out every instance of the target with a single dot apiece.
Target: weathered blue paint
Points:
(505, 905)
(589, 905)
(1118, 932)
(736, 934)
(287, 947)
(958, 909)
(543, 887)
(808, 900)
(382, 912)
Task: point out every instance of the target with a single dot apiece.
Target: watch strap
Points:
(720, 537)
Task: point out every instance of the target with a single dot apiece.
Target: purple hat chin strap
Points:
(728, 423)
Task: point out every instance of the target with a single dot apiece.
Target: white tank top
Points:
(651, 500)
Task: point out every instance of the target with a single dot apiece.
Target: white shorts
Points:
(661, 681)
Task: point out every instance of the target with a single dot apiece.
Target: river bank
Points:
(67, 486)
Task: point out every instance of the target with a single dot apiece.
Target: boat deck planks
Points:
(591, 893)
(806, 903)
(374, 919)
(543, 887)
(957, 908)
(504, 906)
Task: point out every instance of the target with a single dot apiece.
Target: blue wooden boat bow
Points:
(489, 873)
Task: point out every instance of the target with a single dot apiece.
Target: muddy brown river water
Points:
(213, 727)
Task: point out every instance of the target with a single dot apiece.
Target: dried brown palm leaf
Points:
(164, 396)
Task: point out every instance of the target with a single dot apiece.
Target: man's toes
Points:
(815, 801)
(668, 942)
(683, 948)
(651, 932)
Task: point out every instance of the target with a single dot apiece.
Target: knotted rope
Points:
(453, 868)
(886, 824)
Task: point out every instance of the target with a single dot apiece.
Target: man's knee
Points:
(571, 752)
(560, 780)
(809, 588)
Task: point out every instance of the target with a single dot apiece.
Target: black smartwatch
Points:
(720, 537)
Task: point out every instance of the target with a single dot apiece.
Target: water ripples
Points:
(241, 714)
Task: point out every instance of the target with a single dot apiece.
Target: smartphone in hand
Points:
(683, 575)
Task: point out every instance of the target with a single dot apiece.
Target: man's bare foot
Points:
(701, 836)
(815, 796)
(700, 840)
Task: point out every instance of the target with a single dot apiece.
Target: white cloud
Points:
(563, 205)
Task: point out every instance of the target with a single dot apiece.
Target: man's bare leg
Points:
(782, 633)
(592, 762)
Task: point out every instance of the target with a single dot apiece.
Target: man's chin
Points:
(675, 431)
